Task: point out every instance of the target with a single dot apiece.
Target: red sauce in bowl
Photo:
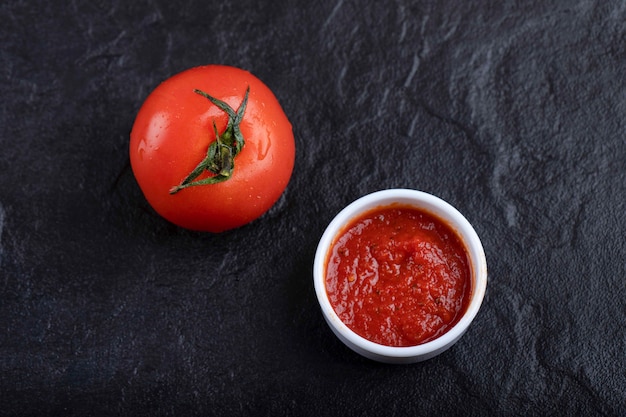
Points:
(398, 276)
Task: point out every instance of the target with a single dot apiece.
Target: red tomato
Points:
(172, 135)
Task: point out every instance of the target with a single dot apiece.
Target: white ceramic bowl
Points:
(443, 211)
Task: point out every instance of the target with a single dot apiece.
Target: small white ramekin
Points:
(441, 210)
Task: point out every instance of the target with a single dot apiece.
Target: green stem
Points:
(220, 156)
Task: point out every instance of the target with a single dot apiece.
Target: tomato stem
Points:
(220, 156)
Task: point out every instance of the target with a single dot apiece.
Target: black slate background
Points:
(514, 112)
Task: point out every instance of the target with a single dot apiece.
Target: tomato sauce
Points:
(398, 276)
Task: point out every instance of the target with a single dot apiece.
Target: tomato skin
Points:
(173, 130)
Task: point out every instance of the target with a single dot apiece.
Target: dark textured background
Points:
(514, 112)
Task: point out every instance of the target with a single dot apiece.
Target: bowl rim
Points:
(443, 211)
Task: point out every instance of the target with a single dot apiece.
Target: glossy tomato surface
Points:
(173, 130)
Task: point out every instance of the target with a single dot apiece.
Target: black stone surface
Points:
(514, 112)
